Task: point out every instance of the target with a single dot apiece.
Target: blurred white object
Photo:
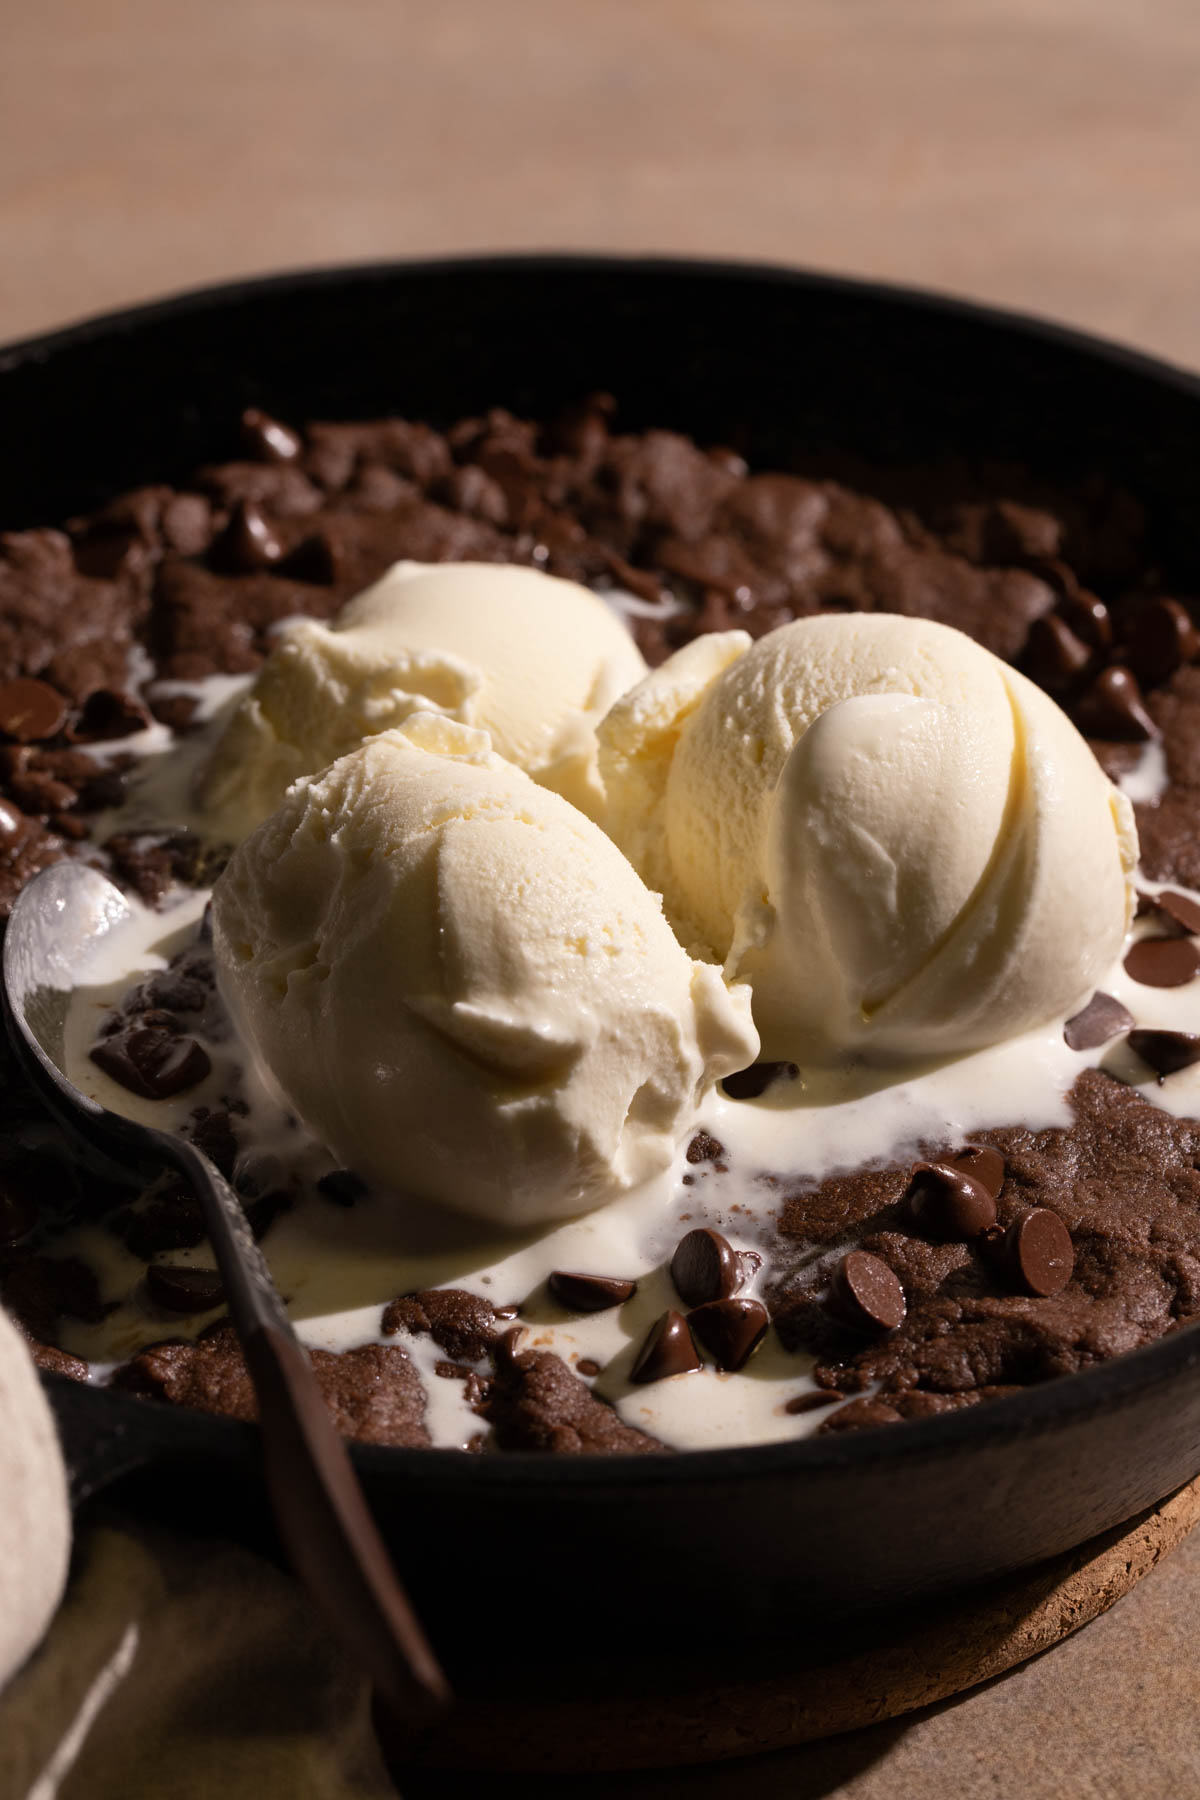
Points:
(35, 1515)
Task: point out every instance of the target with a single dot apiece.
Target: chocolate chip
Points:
(107, 713)
(1163, 962)
(1112, 708)
(589, 1293)
(730, 1329)
(151, 1062)
(1166, 1051)
(248, 542)
(1162, 640)
(313, 561)
(1178, 912)
(342, 1186)
(668, 1350)
(31, 710)
(1101, 1019)
(705, 1148)
(183, 1289)
(267, 439)
(506, 1312)
(13, 825)
(587, 1365)
(867, 1294)
(948, 1203)
(506, 1348)
(748, 1084)
(1040, 1252)
(1087, 616)
(806, 1403)
(982, 1162)
(1054, 656)
(705, 1267)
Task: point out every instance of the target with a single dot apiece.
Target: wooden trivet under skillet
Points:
(893, 1666)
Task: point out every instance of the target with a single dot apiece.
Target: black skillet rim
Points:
(1067, 1399)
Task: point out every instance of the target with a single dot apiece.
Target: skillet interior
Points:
(717, 1544)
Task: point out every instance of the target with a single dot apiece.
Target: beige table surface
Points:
(1045, 155)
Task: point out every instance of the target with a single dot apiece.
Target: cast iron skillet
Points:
(530, 1568)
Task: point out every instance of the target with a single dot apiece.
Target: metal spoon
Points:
(319, 1507)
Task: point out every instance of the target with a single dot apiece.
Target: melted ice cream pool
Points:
(338, 1267)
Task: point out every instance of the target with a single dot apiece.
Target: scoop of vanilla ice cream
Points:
(35, 1517)
(461, 986)
(533, 660)
(904, 845)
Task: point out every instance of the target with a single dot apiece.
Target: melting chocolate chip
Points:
(1040, 1252)
(267, 439)
(1112, 708)
(806, 1403)
(748, 1084)
(1166, 1051)
(668, 1350)
(1101, 1019)
(31, 710)
(982, 1162)
(342, 1186)
(730, 1329)
(866, 1294)
(1055, 657)
(949, 1203)
(1163, 962)
(1178, 912)
(151, 1062)
(248, 542)
(705, 1267)
(589, 1293)
(506, 1312)
(183, 1289)
(1162, 640)
(587, 1365)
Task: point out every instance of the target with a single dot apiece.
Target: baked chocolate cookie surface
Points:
(965, 1271)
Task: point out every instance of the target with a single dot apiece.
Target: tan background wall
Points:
(1043, 153)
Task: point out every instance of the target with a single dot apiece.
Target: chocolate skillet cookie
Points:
(979, 1269)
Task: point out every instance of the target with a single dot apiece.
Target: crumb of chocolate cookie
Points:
(170, 585)
(374, 1394)
(461, 1324)
(536, 1403)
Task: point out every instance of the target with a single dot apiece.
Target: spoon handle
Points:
(327, 1530)
(330, 1535)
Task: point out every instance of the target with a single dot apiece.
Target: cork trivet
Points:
(913, 1660)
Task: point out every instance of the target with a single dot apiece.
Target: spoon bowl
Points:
(56, 924)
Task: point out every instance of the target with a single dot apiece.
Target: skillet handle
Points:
(330, 1536)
